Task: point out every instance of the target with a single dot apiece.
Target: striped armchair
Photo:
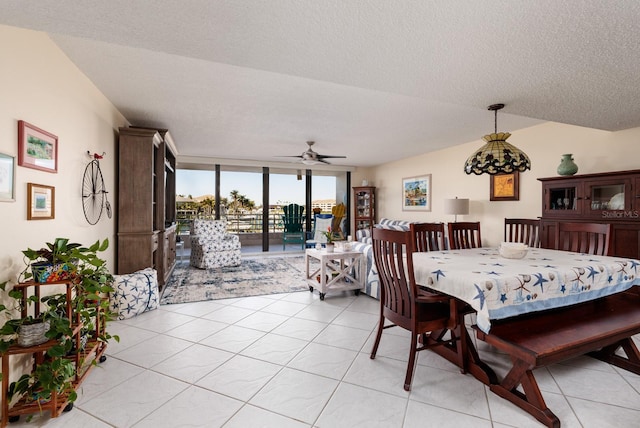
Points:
(363, 243)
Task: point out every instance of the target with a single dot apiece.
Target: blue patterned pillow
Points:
(385, 223)
(134, 293)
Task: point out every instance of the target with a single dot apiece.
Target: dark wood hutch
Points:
(612, 197)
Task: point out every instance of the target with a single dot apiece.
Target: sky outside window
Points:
(198, 183)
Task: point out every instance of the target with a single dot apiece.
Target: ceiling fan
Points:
(309, 157)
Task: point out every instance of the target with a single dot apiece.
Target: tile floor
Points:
(291, 360)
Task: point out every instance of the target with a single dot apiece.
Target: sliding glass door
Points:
(250, 199)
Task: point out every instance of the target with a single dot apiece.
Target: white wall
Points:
(593, 151)
(40, 85)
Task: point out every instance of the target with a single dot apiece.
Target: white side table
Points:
(339, 270)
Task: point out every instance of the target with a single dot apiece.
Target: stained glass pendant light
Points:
(497, 156)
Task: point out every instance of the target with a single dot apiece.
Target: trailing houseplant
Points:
(55, 262)
(54, 373)
(92, 283)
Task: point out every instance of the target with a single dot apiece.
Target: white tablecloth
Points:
(499, 288)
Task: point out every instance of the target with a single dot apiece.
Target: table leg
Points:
(459, 349)
(323, 278)
(531, 400)
(462, 353)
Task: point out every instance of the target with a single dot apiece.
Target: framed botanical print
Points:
(41, 202)
(505, 187)
(37, 148)
(416, 193)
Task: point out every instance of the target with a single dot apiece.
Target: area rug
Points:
(255, 276)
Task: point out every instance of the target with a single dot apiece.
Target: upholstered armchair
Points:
(321, 223)
(212, 246)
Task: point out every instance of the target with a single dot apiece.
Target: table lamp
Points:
(456, 206)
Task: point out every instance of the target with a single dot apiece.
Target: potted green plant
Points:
(55, 373)
(89, 305)
(54, 262)
(52, 374)
(94, 282)
(25, 331)
(65, 260)
(329, 235)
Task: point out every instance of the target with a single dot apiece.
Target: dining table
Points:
(497, 287)
(543, 308)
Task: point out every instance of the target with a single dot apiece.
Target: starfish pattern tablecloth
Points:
(498, 288)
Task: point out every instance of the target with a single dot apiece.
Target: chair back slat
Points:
(293, 218)
(464, 235)
(428, 236)
(395, 270)
(524, 230)
(588, 238)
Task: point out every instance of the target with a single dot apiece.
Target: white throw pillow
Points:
(134, 293)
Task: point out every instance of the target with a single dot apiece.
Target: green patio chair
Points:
(293, 220)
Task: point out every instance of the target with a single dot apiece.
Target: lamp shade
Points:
(497, 157)
(456, 206)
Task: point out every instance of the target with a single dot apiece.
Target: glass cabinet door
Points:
(562, 200)
(364, 207)
(607, 195)
(363, 204)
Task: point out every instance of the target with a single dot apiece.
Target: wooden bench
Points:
(598, 328)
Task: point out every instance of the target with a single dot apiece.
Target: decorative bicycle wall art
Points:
(94, 193)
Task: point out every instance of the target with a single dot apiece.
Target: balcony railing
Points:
(236, 222)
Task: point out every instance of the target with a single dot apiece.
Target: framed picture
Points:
(37, 149)
(416, 193)
(505, 187)
(41, 202)
(7, 178)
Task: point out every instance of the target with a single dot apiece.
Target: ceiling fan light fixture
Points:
(497, 156)
(310, 161)
(309, 157)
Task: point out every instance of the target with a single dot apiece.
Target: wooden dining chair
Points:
(428, 236)
(464, 235)
(524, 230)
(588, 238)
(399, 299)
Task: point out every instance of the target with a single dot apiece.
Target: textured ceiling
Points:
(375, 80)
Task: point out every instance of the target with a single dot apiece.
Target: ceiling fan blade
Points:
(309, 157)
(330, 156)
